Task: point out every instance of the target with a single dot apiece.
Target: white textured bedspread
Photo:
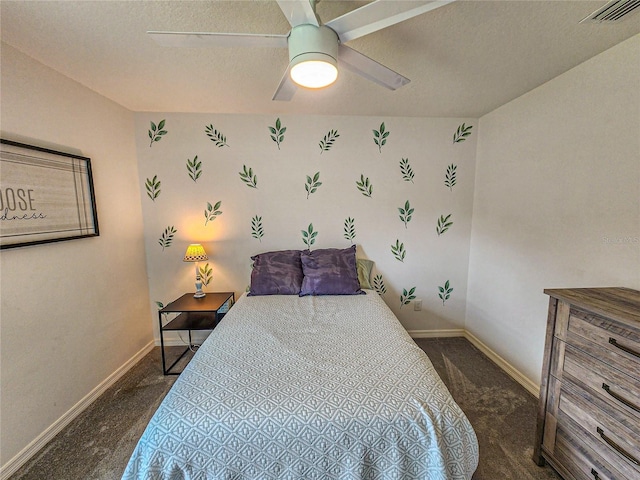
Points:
(291, 387)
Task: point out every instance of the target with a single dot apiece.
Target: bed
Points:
(312, 387)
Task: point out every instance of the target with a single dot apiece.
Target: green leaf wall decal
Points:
(405, 213)
(378, 285)
(445, 292)
(309, 236)
(156, 132)
(277, 133)
(312, 184)
(166, 239)
(380, 137)
(153, 187)
(256, 228)
(406, 170)
(328, 140)
(365, 186)
(450, 176)
(443, 224)
(215, 136)
(407, 296)
(194, 167)
(349, 229)
(206, 274)
(462, 133)
(211, 212)
(398, 251)
(160, 305)
(248, 177)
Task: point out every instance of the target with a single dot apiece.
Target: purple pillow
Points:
(330, 271)
(276, 273)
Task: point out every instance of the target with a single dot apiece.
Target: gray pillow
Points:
(364, 268)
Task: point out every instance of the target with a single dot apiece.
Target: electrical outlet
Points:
(417, 305)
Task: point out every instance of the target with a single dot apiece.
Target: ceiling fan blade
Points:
(370, 69)
(201, 39)
(286, 89)
(299, 12)
(378, 15)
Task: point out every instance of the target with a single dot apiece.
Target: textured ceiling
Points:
(464, 59)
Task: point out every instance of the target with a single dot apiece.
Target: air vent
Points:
(613, 12)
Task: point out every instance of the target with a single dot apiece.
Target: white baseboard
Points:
(514, 373)
(510, 370)
(454, 332)
(176, 339)
(176, 342)
(41, 440)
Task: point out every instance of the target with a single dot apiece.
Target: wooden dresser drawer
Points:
(620, 392)
(589, 411)
(581, 460)
(607, 340)
(616, 444)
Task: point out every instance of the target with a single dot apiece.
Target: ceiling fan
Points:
(316, 49)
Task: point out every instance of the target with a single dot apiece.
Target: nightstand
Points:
(193, 314)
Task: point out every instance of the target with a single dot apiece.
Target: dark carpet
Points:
(502, 412)
(98, 443)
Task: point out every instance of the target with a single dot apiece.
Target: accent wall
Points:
(401, 189)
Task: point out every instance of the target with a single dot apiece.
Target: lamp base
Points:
(199, 293)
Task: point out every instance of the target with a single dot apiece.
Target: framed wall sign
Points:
(45, 196)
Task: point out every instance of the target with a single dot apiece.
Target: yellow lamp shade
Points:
(195, 253)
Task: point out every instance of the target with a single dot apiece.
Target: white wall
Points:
(281, 200)
(556, 201)
(73, 312)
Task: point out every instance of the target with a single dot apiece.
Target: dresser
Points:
(588, 424)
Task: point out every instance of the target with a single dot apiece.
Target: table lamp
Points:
(195, 252)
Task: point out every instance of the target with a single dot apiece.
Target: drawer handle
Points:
(595, 474)
(617, 447)
(613, 342)
(620, 398)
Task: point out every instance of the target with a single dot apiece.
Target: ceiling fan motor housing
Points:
(311, 43)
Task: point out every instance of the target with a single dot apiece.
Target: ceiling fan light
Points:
(313, 53)
(314, 72)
